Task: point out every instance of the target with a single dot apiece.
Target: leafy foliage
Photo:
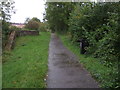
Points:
(43, 27)
(98, 23)
(99, 71)
(99, 28)
(32, 24)
(6, 8)
(11, 28)
(5, 32)
(57, 15)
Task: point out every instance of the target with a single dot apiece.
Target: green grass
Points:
(26, 65)
(100, 72)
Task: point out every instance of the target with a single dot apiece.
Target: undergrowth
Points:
(103, 74)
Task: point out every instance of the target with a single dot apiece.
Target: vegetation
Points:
(32, 24)
(14, 28)
(6, 8)
(5, 32)
(99, 26)
(43, 27)
(57, 15)
(35, 24)
(97, 23)
(103, 74)
(26, 65)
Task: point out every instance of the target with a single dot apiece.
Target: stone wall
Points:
(11, 40)
(26, 32)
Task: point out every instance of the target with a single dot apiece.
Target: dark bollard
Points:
(83, 45)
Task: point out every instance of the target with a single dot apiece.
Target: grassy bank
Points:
(26, 65)
(100, 72)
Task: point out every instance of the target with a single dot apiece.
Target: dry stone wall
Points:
(26, 32)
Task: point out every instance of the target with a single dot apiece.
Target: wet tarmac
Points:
(64, 70)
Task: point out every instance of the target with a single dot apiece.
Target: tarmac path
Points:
(64, 70)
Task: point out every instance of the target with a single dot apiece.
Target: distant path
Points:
(64, 69)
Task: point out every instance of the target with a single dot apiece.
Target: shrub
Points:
(5, 32)
(42, 27)
(32, 25)
(14, 28)
(98, 23)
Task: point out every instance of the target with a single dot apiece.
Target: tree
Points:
(6, 8)
(43, 26)
(57, 15)
(27, 20)
(35, 19)
(32, 24)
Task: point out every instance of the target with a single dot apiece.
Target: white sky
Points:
(28, 8)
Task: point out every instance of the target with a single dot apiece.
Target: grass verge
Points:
(100, 72)
(26, 65)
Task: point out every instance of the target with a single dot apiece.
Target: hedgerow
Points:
(98, 24)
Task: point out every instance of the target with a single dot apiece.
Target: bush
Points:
(32, 25)
(5, 32)
(98, 24)
(14, 28)
(43, 27)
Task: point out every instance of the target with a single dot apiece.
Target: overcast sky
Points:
(28, 8)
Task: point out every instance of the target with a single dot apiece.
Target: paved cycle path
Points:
(64, 70)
